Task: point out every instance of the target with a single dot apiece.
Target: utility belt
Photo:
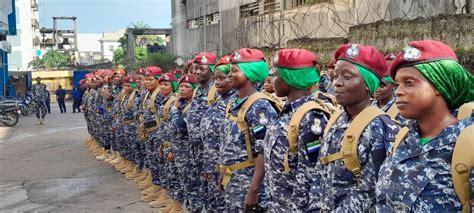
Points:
(227, 171)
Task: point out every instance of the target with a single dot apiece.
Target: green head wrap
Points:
(157, 77)
(225, 68)
(211, 67)
(178, 76)
(389, 79)
(370, 79)
(302, 78)
(452, 81)
(175, 86)
(194, 86)
(133, 85)
(254, 71)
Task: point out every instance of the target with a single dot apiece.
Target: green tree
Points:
(118, 56)
(165, 61)
(36, 64)
(53, 59)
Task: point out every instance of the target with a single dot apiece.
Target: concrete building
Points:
(222, 26)
(26, 41)
(109, 43)
(89, 48)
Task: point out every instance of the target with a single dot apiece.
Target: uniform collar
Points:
(293, 106)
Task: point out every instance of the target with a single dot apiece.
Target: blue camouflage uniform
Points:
(233, 150)
(210, 132)
(339, 190)
(289, 192)
(157, 139)
(40, 96)
(181, 154)
(325, 84)
(170, 169)
(116, 124)
(98, 108)
(107, 118)
(130, 126)
(417, 178)
(193, 118)
(151, 122)
(140, 150)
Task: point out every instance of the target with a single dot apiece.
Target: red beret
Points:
(177, 72)
(224, 60)
(294, 58)
(168, 77)
(417, 52)
(82, 81)
(246, 55)
(188, 78)
(107, 73)
(366, 56)
(205, 58)
(189, 64)
(153, 71)
(120, 71)
(141, 71)
(89, 75)
(129, 79)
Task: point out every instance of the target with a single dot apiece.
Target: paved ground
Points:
(49, 169)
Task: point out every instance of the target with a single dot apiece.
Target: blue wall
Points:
(3, 72)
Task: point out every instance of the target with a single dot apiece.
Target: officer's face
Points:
(203, 73)
(118, 79)
(127, 87)
(416, 96)
(349, 86)
(151, 82)
(268, 84)
(38, 80)
(237, 77)
(140, 80)
(166, 88)
(281, 88)
(385, 91)
(222, 83)
(185, 91)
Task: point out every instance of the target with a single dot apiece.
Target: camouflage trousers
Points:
(40, 109)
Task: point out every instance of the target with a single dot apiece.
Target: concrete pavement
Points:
(50, 169)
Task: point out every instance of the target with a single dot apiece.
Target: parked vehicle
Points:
(9, 113)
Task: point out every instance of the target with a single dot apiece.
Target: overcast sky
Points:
(95, 16)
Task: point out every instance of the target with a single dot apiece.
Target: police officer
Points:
(180, 139)
(418, 175)
(40, 96)
(241, 155)
(150, 126)
(168, 87)
(347, 182)
(210, 134)
(290, 166)
(204, 66)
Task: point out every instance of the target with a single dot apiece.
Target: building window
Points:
(192, 24)
(249, 10)
(270, 6)
(213, 18)
(297, 3)
(200, 22)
